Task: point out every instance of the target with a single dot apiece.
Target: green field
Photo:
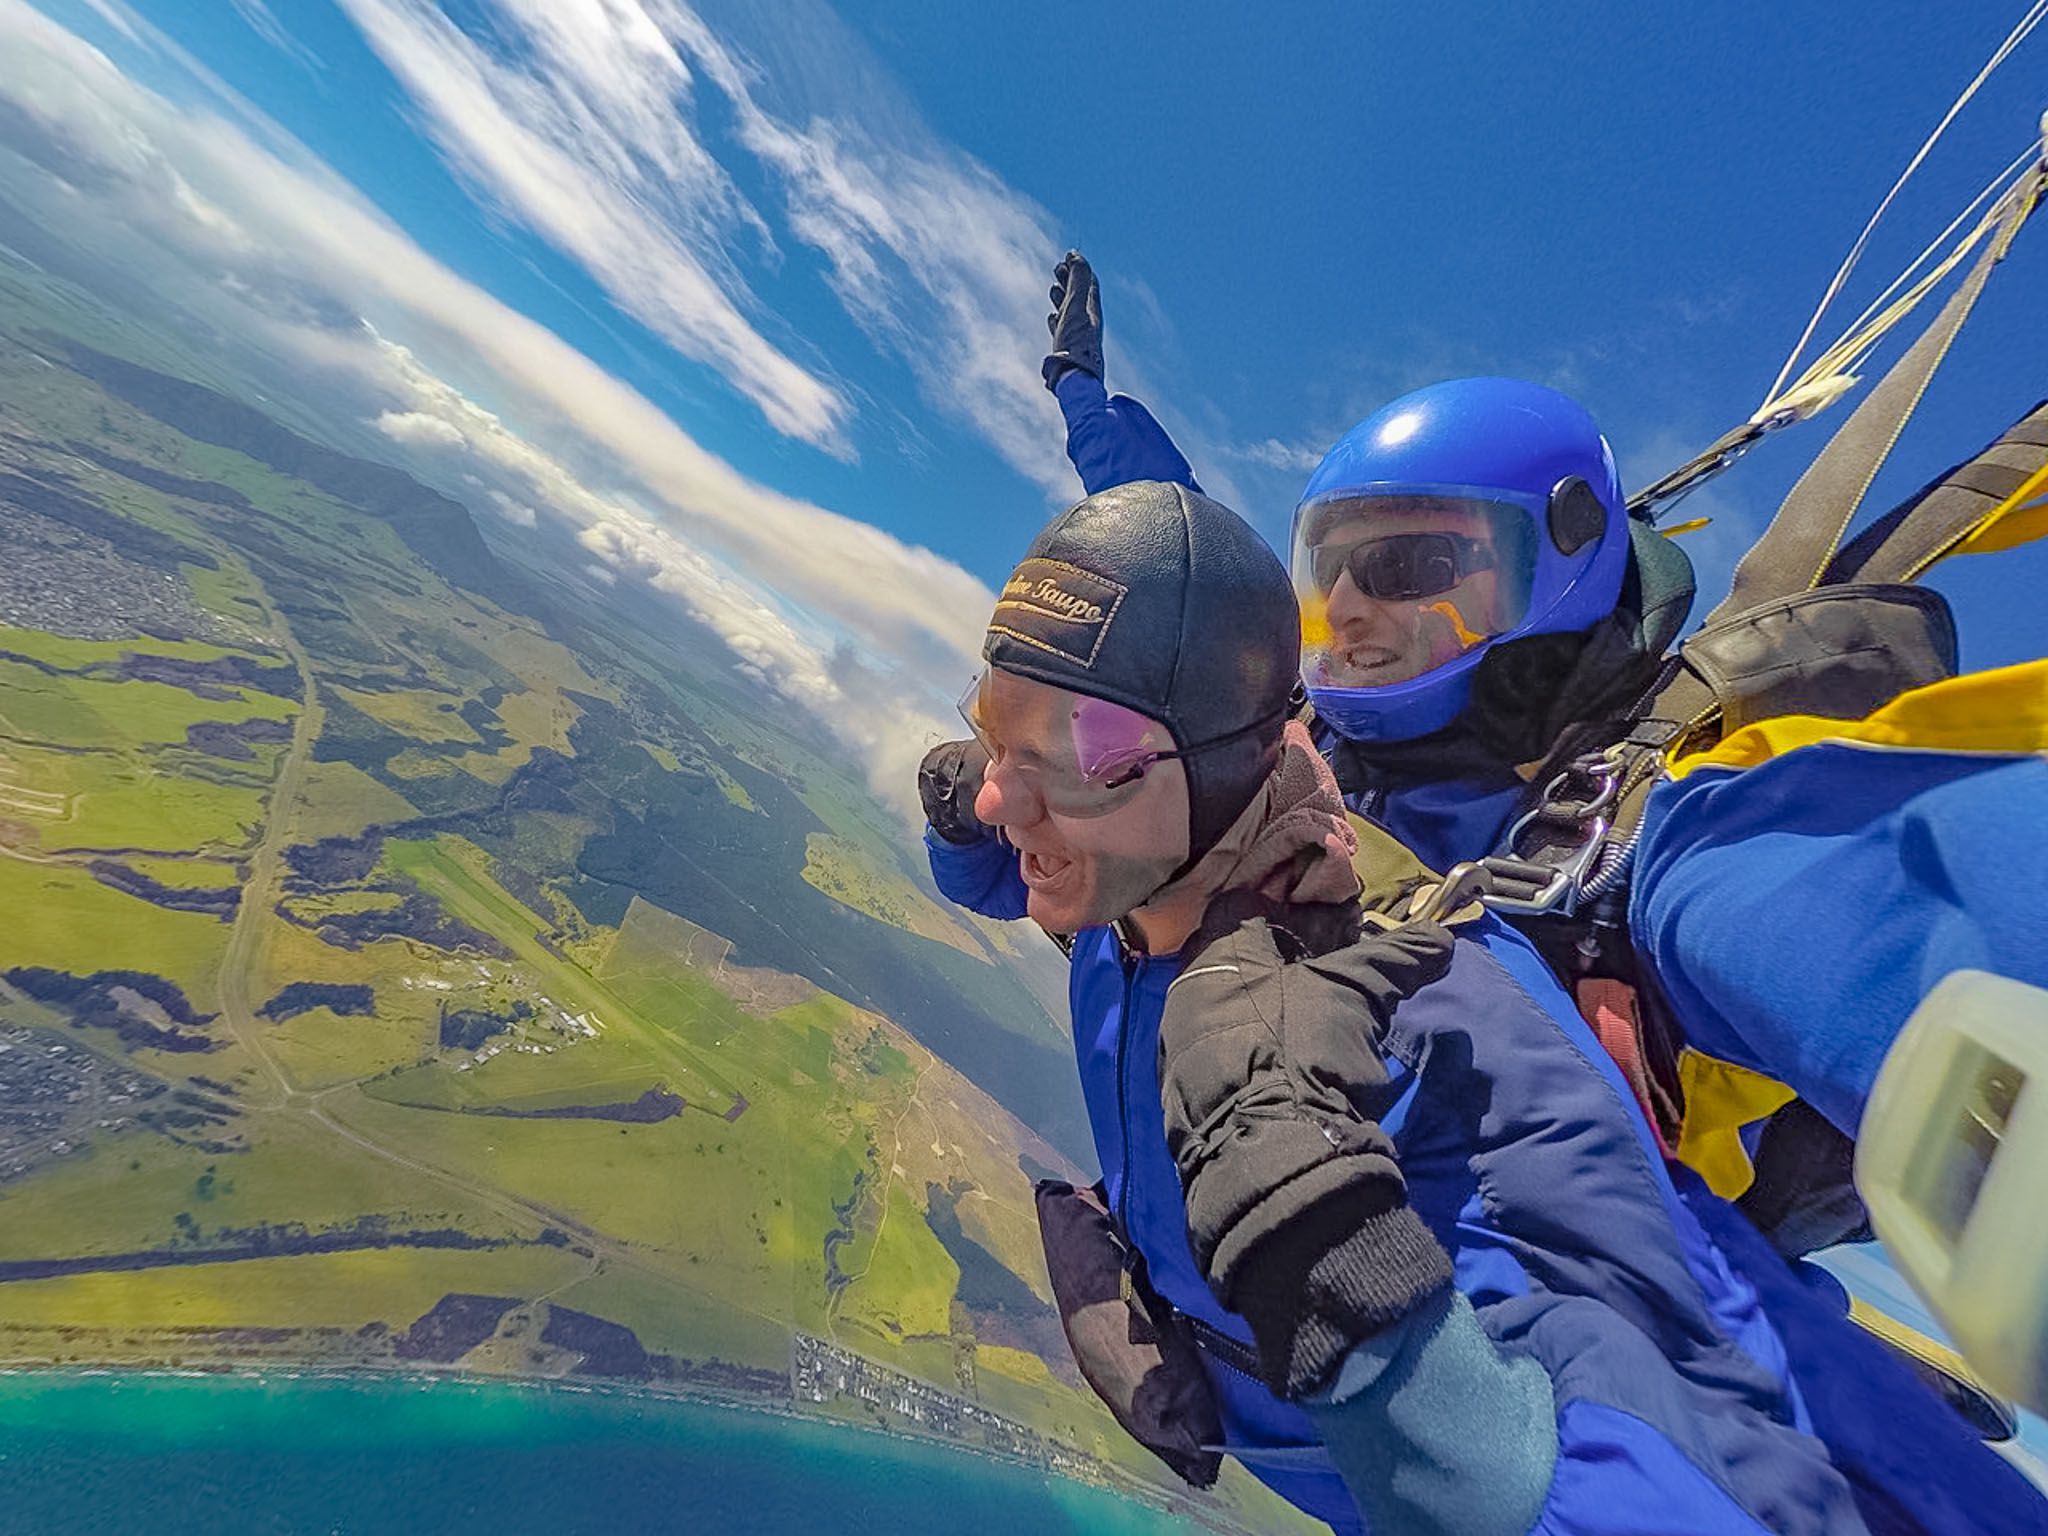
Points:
(60, 916)
(334, 1290)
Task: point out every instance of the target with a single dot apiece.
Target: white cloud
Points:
(580, 136)
(1274, 454)
(935, 257)
(417, 429)
(579, 118)
(273, 255)
(518, 513)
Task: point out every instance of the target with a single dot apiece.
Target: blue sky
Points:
(1296, 216)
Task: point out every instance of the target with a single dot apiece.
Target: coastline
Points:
(1157, 1500)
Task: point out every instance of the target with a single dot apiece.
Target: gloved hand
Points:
(947, 781)
(1075, 321)
(1296, 1207)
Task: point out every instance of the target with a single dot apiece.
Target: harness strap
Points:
(1963, 503)
(1795, 551)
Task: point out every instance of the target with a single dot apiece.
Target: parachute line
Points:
(2027, 23)
(2012, 195)
(1996, 187)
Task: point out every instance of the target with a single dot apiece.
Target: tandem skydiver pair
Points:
(1451, 546)
(1489, 657)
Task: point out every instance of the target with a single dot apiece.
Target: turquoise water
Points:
(143, 1455)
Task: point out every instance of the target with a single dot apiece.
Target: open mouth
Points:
(1365, 659)
(1043, 872)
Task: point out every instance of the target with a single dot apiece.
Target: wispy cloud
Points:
(580, 119)
(1271, 453)
(571, 118)
(263, 21)
(936, 258)
(271, 254)
(418, 429)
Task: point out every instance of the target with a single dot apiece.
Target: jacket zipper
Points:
(1219, 1346)
(1123, 1091)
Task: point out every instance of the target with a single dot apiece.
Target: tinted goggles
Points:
(1403, 567)
(1085, 759)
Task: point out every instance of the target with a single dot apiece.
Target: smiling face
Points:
(1081, 870)
(1405, 585)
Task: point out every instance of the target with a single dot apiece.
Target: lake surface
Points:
(151, 1455)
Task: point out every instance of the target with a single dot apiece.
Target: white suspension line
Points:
(2027, 23)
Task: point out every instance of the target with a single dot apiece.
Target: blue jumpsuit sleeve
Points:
(1113, 440)
(982, 877)
(1796, 912)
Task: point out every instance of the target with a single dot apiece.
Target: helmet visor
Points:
(1393, 585)
(1082, 757)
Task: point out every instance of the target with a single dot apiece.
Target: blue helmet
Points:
(1460, 516)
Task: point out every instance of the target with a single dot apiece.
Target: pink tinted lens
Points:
(1109, 738)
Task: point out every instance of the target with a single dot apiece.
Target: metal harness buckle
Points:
(1538, 887)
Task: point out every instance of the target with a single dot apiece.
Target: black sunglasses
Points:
(1402, 567)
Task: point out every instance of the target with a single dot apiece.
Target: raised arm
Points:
(1111, 439)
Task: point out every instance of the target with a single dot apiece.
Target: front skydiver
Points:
(1538, 610)
(1438, 1275)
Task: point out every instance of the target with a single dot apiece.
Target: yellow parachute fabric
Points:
(2004, 710)
(2020, 519)
(1720, 1099)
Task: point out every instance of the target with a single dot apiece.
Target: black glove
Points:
(1296, 1207)
(1075, 321)
(947, 781)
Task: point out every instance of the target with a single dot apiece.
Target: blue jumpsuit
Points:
(1939, 849)
(1913, 1465)
(1525, 1155)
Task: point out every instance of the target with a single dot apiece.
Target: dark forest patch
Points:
(303, 996)
(464, 1029)
(417, 916)
(335, 861)
(281, 1240)
(53, 496)
(1005, 1310)
(235, 740)
(608, 1348)
(123, 1001)
(210, 492)
(652, 1107)
(220, 678)
(219, 901)
(655, 1105)
(452, 1327)
(483, 719)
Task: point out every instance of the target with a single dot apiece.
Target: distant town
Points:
(821, 1372)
